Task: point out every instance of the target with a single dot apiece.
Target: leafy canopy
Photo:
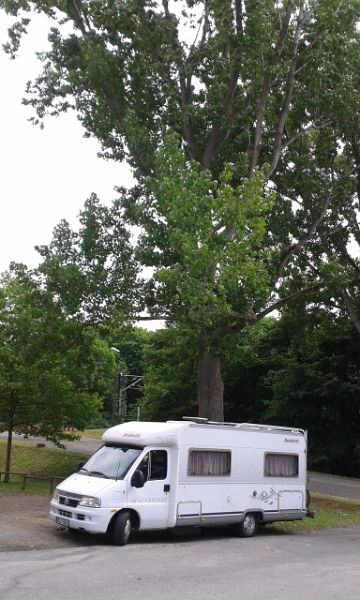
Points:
(45, 361)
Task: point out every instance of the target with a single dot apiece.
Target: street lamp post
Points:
(117, 384)
(130, 381)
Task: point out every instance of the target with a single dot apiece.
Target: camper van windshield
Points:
(111, 462)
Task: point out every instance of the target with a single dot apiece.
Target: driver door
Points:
(152, 500)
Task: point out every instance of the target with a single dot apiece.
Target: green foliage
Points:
(130, 341)
(92, 271)
(318, 386)
(170, 375)
(303, 371)
(46, 365)
(246, 366)
(101, 367)
(201, 272)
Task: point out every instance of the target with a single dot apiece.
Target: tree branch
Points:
(215, 141)
(287, 99)
(248, 316)
(239, 18)
(79, 21)
(286, 256)
(287, 300)
(265, 90)
(304, 131)
(155, 318)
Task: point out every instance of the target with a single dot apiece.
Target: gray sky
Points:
(45, 176)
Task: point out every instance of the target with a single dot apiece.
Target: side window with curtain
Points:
(209, 462)
(281, 465)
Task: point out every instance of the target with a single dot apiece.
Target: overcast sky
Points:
(45, 176)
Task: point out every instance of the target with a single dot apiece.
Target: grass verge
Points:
(37, 462)
(329, 513)
(96, 434)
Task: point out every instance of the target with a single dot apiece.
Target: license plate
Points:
(62, 521)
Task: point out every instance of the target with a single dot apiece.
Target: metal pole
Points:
(116, 395)
(120, 407)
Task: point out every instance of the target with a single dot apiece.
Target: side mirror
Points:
(138, 479)
(80, 465)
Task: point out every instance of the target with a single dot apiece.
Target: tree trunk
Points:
(8, 447)
(209, 384)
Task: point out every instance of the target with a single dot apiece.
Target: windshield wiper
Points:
(86, 471)
(99, 473)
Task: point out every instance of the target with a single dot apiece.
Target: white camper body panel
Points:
(227, 498)
(183, 496)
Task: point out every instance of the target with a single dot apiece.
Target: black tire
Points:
(122, 529)
(249, 526)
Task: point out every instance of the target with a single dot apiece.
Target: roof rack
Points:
(270, 427)
(203, 421)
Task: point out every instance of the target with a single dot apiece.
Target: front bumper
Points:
(93, 520)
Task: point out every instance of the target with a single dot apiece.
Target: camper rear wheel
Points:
(122, 529)
(249, 526)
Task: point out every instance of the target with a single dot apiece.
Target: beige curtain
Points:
(281, 465)
(209, 462)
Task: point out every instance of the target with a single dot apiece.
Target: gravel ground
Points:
(24, 520)
(25, 525)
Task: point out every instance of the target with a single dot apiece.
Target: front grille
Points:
(66, 501)
(65, 513)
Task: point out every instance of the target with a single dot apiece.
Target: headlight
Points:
(56, 495)
(89, 501)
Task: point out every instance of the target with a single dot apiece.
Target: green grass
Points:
(92, 433)
(329, 513)
(37, 462)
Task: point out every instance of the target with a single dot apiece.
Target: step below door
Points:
(188, 513)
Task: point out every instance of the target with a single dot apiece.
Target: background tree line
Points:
(301, 369)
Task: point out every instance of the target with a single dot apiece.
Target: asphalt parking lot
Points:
(212, 565)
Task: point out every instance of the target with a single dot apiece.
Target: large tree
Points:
(240, 120)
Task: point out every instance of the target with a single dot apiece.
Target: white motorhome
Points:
(182, 475)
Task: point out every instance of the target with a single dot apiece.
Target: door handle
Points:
(166, 487)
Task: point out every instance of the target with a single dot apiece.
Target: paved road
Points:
(213, 565)
(85, 445)
(318, 484)
(339, 487)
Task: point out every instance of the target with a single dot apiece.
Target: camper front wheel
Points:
(248, 527)
(122, 529)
